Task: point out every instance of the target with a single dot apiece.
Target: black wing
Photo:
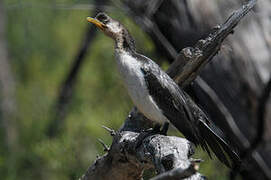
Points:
(194, 126)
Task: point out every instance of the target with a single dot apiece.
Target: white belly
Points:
(135, 83)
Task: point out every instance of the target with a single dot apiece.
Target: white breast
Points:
(134, 81)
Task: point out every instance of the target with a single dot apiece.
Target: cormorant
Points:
(157, 96)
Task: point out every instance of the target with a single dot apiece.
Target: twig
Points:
(111, 131)
(106, 148)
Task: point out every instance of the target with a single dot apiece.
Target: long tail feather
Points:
(220, 148)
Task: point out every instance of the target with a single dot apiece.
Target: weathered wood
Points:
(126, 162)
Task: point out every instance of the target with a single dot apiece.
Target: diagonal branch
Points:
(192, 59)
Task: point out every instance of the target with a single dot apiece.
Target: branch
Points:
(168, 155)
(126, 162)
(192, 59)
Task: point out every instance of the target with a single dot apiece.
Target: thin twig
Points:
(106, 148)
(111, 131)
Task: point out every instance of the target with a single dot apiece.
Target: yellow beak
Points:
(98, 23)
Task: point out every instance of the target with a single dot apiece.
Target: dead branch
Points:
(126, 162)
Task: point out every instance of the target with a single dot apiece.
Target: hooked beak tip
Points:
(96, 22)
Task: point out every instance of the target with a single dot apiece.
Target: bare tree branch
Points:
(197, 57)
(126, 162)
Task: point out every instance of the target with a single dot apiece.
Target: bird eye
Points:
(102, 17)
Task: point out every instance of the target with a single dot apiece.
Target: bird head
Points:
(109, 26)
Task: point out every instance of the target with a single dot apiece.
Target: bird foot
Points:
(164, 129)
(143, 135)
(152, 131)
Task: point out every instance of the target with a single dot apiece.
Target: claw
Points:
(164, 129)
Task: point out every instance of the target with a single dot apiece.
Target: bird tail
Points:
(220, 148)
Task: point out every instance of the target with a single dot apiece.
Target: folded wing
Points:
(195, 127)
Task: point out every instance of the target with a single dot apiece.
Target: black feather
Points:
(185, 116)
(220, 148)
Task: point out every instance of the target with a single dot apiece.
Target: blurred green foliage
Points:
(42, 42)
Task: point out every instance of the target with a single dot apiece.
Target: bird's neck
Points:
(125, 42)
